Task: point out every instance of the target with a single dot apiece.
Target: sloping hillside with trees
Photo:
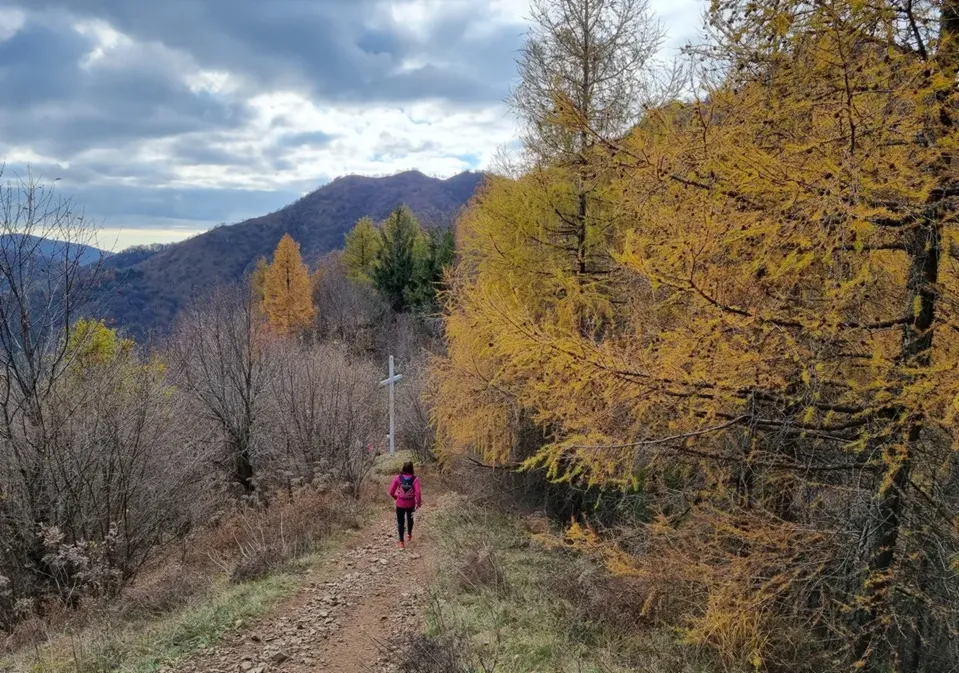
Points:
(145, 289)
(692, 362)
(256, 422)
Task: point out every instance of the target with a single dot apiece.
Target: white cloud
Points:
(27, 156)
(436, 138)
(212, 81)
(105, 38)
(682, 20)
(283, 139)
(501, 13)
(11, 21)
(414, 16)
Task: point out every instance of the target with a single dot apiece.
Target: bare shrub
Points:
(253, 541)
(256, 563)
(82, 567)
(414, 431)
(51, 421)
(219, 358)
(128, 471)
(348, 312)
(444, 653)
(101, 481)
(480, 569)
(328, 409)
(406, 337)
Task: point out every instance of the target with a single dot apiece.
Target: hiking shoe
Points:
(401, 544)
(409, 538)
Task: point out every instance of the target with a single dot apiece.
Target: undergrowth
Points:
(386, 465)
(506, 603)
(230, 574)
(145, 648)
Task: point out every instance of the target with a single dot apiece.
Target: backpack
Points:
(406, 487)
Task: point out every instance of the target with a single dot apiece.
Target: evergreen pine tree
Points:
(436, 251)
(396, 261)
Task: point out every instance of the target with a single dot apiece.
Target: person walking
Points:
(405, 490)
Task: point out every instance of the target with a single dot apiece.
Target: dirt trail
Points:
(344, 617)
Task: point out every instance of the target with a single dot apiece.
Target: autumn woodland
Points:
(742, 306)
(705, 315)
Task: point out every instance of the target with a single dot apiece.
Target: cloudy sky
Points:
(165, 117)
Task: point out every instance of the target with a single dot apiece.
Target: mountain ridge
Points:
(50, 249)
(144, 296)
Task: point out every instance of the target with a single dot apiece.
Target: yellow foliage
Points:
(91, 343)
(776, 317)
(287, 289)
(258, 281)
(363, 244)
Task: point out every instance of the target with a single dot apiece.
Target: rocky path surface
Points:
(346, 616)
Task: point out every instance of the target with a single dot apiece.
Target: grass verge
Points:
(140, 642)
(386, 465)
(148, 647)
(505, 603)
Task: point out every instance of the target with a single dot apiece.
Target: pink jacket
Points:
(403, 500)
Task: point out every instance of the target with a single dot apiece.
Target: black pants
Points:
(407, 514)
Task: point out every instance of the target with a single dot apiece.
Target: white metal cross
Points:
(391, 382)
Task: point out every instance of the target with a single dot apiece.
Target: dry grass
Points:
(147, 645)
(234, 568)
(445, 649)
(386, 465)
(256, 541)
(35, 629)
(445, 653)
(480, 569)
(169, 587)
(619, 603)
(521, 606)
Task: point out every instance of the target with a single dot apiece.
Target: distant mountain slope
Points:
(134, 255)
(50, 250)
(145, 294)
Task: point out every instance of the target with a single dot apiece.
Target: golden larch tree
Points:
(363, 244)
(258, 280)
(288, 289)
(773, 351)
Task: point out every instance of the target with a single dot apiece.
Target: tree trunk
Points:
(924, 249)
(242, 462)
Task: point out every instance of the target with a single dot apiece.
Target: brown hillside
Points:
(144, 294)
